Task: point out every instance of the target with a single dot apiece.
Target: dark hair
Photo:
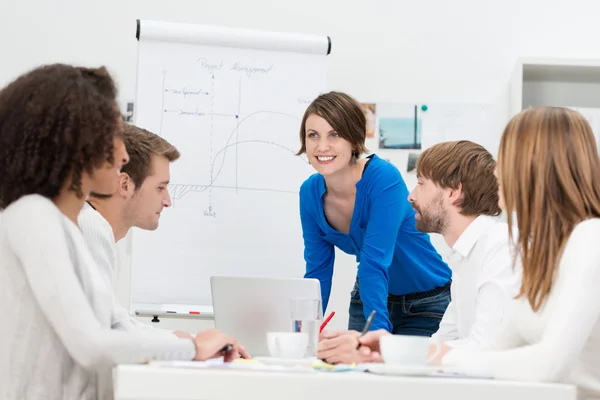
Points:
(56, 122)
(344, 114)
(468, 165)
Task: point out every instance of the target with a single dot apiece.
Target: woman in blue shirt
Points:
(360, 205)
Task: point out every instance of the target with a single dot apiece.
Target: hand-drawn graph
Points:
(196, 105)
(234, 114)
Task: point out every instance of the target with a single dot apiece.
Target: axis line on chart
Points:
(237, 135)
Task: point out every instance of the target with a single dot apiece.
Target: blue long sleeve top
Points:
(393, 256)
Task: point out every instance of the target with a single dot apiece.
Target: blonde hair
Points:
(549, 174)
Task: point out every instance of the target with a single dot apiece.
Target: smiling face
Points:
(428, 200)
(327, 151)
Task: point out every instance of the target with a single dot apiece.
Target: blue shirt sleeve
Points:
(389, 207)
(318, 253)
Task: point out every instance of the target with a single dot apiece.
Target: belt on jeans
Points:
(421, 295)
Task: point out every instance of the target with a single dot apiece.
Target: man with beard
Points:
(457, 196)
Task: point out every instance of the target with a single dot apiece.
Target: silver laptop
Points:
(249, 307)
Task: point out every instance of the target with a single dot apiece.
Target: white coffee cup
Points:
(407, 350)
(287, 344)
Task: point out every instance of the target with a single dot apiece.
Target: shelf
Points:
(555, 82)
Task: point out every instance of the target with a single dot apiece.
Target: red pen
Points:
(324, 324)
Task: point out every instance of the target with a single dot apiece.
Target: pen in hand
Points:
(366, 328)
(226, 349)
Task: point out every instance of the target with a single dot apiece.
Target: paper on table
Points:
(218, 363)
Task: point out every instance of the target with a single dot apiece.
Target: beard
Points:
(432, 219)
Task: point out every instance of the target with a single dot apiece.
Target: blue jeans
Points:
(417, 314)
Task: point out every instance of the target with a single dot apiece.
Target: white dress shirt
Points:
(483, 284)
(560, 342)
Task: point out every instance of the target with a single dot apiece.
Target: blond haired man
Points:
(140, 198)
(457, 196)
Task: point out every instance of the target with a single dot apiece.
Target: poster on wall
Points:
(399, 126)
(395, 135)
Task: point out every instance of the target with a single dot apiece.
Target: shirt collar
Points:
(472, 233)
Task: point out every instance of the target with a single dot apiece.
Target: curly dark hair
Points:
(56, 122)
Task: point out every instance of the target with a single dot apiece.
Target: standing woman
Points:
(60, 139)
(549, 176)
(360, 205)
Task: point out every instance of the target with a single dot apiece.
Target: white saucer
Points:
(308, 362)
(403, 369)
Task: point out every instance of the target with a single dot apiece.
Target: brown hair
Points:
(466, 165)
(345, 116)
(549, 174)
(141, 146)
(56, 122)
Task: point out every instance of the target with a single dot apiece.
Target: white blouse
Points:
(559, 343)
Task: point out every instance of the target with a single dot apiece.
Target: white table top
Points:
(137, 382)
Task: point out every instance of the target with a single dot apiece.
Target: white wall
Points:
(385, 50)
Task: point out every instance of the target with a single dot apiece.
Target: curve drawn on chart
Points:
(178, 191)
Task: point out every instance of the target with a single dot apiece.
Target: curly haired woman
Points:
(59, 140)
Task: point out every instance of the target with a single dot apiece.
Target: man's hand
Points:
(371, 339)
(341, 348)
(210, 343)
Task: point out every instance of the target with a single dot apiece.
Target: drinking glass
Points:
(306, 317)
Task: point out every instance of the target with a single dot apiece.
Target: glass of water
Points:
(306, 318)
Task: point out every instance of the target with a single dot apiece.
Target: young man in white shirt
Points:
(456, 196)
(139, 200)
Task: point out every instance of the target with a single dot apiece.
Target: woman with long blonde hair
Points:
(549, 177)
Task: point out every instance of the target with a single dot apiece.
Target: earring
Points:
(353, 158)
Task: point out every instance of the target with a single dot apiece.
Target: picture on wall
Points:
(371, 115)
(399, 126)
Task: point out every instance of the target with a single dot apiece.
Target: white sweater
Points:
(100, 239)
(559, 343)
(56, 340)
